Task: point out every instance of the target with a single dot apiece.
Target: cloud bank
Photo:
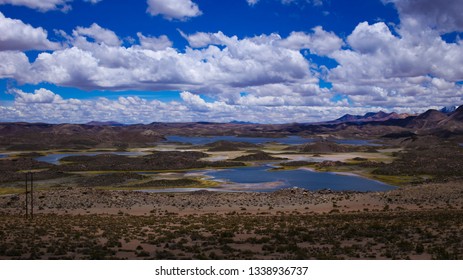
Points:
(263, 78)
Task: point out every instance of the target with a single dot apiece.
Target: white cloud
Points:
(93, 1)
(179, 9)
(99, 34)
(264, 76)
(195, 102)
(41, 5)
(154, 43)
(46, 106)
(371, 38)
(17, 35)
(443, 15)
(202, 39)
(13, 64)
(319, 42)
(377, 53)
(386, 70)
(39, 96)
(250, 64)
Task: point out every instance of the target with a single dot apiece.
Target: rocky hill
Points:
(370, 117)
(429, 119)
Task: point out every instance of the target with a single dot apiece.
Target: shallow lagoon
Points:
(202, 140)
(290, 140)
(262, 178)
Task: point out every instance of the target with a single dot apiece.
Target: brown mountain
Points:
(109, 123)
(37, 136)
(370, 117)
(429, 119)
(454, 122)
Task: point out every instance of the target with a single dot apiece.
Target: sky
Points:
(263, 61)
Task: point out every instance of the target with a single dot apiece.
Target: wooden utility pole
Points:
(30, 182)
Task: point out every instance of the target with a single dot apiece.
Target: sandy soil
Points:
(76, 200)
(417, 222)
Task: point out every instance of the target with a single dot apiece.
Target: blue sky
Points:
(269, 61)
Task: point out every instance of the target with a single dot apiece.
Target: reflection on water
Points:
(202, 140)
(302, 178)
(55, 158)
(290, 140)
(356, 142)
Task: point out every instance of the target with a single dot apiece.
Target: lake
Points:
(202, 140)
(55, 158)
(356, 142)
(290, 140)
(260, 178)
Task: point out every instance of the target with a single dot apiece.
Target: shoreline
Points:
(94, 200)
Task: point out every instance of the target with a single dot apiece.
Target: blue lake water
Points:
(290, 140)
(356, 142)
(202, 140)
(55, 158)
(301, 178)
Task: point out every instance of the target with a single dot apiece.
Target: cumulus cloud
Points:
(378, 53)
(179, 9)
(13, 63)
(17, 35)
(99, 34)
(368, 38)
(46, 106)
(41, 5)
(223, 68)
(383, 69)
(443, 15)
(260, 78)
(154, 43)
(319, 42)
(39, 96)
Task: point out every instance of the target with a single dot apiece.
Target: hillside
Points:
(429, 119)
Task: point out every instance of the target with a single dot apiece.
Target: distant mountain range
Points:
(109, 123)
(370, 117)
(241, 122)
(421, 120)
(448, 109)
(23, 136)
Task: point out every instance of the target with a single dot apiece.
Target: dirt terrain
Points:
(417, 222)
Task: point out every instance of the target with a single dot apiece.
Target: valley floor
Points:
(417, 222)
